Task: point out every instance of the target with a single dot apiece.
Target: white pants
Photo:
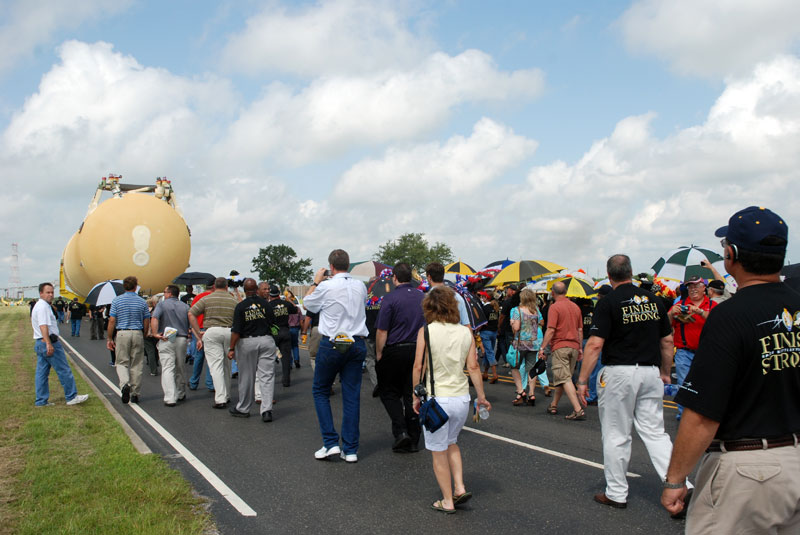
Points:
(631, 395)
(172, 354)
(216, 341)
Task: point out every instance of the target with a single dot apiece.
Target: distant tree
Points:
(414, 249)
(278, 264)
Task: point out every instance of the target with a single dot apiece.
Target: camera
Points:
(420, 391)
(684, 309)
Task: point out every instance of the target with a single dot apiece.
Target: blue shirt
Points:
(130, 311)
(401, 314)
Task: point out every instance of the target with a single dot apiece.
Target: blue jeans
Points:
(489, 338)
(61, 317)
(58, 361)
(294, 332)
(329, 362)
(76, 327)
(593, 379)
(197, 368)
(683, 361)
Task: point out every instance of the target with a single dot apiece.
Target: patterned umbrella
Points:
(367, 268)
(499, 264)
(575, 287)
(683, 263)
(459, 268)
(477, 318)
(524, 270)
(104, 292)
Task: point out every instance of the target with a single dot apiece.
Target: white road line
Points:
(541, 450)
(226, 492)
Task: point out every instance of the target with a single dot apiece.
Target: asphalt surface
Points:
(272, 468)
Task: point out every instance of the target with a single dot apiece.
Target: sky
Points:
(562, 131)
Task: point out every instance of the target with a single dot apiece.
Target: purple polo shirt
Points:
(401, 314)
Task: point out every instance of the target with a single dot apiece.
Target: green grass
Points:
(72, 469)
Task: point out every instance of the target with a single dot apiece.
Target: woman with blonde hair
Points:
(451, 346)
(524, 321)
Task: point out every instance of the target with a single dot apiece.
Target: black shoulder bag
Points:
(431, 414)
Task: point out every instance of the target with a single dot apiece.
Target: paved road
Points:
(271, 466)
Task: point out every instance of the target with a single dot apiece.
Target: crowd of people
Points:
(736, 363)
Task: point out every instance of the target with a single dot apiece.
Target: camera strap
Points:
(430, 360)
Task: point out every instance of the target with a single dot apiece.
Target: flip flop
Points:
(437, 506)
(462, 498)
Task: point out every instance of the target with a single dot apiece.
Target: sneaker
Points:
(78, 399)
(324, 454)
(297, 364)
(237, 413)
(126, 393)
(349, 457)
(267, 417)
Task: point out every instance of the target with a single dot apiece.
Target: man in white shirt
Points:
(49, 352)
(342, 325)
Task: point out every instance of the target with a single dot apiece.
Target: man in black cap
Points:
(716, 291)
(742, 394)
(503, 326)
(281, 310)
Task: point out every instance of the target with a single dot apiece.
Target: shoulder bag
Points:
(431, 414)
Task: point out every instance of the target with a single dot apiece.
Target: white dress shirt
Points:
(341, 302)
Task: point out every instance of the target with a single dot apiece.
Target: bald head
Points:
(250, 286)
(559, 289)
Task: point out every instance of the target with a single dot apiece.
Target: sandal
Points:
(437, 506)
(548, 391)
(462, 498)
(532, 400)
(552, 409)
(576, 415)
(520, 399)
(493, 380)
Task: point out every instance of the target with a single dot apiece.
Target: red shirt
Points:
(565, 318)
(195, 300)
(687, 335)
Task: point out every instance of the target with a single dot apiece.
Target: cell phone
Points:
(327, 273)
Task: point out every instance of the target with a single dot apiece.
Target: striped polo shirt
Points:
(217, 309)
(130, 311)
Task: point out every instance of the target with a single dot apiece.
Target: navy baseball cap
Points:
(750, 228)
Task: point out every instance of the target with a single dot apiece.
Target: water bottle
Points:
(670, 390)
(483, 412)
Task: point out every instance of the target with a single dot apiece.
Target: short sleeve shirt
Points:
(172, 313)
(746, 370)
(42, 314)
(565, 318)
(632, 322)
(130, 311)
(217, 309)
(281, 310)
(492, 316)
(529, 328)
(252, 317)
(401, 314)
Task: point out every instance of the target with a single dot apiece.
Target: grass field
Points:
(72, 469)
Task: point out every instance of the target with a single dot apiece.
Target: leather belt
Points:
(749, 444)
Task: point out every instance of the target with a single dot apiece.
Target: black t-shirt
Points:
(492, 316)
(372, 318)
(587, 311)
(632, 322)
(188, 298)
(746, 370)
(60, 305)
(76, 310)
(281, 310)
(505, 310)
(252, 317)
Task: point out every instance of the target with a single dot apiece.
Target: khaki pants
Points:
(216, 341)
(313, 345)
(130, 359)
(747, 492)
(172, 354)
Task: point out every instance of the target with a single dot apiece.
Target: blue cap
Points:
(749, 228)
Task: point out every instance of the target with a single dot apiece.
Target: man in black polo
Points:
(742, 394)
(281, 310)
(399, 321)
(254, 348)
(503, 326)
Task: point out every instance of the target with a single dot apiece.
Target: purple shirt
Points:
(401, 314)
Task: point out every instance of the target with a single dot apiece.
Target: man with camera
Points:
(399, 321)
(49, 352)
(342, 326)
(742, 394)
(688, 316)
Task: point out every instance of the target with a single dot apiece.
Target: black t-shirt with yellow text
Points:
(252, 317)
(746, 370)
(632, 321)
(281, 310)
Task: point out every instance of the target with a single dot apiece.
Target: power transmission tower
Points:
(14, 282)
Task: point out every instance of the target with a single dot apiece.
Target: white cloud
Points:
(336, 114)
(326, 38)
(710, 38)
(29, 25)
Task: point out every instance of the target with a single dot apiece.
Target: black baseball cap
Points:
(274, 291)
(750, 228)
(717, 285)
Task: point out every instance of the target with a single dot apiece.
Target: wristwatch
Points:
(668, 485)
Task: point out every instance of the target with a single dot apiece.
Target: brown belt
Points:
(753, 443)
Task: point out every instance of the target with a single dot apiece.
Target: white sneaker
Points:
(326, 453)
(78, 399)
(349, 457)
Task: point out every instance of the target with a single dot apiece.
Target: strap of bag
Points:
(683, 325)
(430, 360)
